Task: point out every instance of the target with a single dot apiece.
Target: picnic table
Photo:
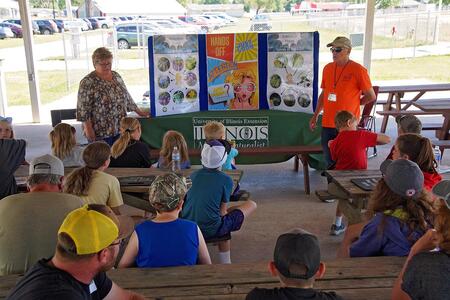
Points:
(352, 278)
(396, 94)
(343, 179)
(438, 106)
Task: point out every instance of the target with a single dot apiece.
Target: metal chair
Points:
(368, 119)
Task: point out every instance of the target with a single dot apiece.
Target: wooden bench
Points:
(300, 152)
(352, 278)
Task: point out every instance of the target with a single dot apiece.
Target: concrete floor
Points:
(278, 191)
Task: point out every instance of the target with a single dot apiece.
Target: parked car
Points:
(76, 23)
(88, 23)
(6, 32)
(261, 22)
(47, 26)
(16, 29)
(35, 26)
(104, 22)
(94, 23)
(127, 33)
(173, 26)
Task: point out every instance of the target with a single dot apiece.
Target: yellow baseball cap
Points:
(94, 227)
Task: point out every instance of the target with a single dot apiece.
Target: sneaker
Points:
(337, 230)
(324, 196)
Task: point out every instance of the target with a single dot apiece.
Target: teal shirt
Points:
(210, 187)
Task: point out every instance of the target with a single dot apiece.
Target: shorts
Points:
(232, 221)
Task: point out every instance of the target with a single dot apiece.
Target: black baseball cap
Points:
(295, 249)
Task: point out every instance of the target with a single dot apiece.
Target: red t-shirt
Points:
(349, 149)
(430, 180)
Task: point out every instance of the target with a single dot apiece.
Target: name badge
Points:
(332, 97)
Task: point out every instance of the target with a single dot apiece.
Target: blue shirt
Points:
(395, 238)
(167, 244)
(210, 187)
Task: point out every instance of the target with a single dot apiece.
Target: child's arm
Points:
(427, 242)
(383, 139)
(129, 256)
(203, 254)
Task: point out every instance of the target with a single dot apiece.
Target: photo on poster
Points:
(290, 71)
(232, 64)
(176, 74)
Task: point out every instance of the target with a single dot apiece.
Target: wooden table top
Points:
(441, 106)
(415, 88)
(353, 278)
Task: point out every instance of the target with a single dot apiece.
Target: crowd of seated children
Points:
(170, 140)
(206, 201)
(349, 152)
(406, 124)
(166, 240)
(90, 183)
(64, 145)
(296, 263)
(419, 150)
(12, 155)
(402, 212)
(128, 151)
(426, 270)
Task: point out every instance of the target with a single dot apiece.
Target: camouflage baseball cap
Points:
(166, 191)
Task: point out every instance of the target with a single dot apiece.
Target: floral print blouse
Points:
(104, 103)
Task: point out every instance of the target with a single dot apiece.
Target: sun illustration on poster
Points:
(246, 47)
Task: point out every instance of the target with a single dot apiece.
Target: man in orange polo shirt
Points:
(345, 86)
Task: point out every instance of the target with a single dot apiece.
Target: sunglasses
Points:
(250, 87)
(337, 49)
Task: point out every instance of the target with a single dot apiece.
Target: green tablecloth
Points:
(248, 128)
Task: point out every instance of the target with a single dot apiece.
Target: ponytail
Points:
(419, 150)
(127, 127)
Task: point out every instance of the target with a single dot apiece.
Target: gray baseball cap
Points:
(47, 164)
(442, 190)
(409, 123)
(403, 177)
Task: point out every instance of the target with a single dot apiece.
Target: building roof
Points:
(139, 7)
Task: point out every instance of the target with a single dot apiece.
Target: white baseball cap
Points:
(47, 164)
(214, 154)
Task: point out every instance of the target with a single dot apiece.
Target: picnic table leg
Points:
(387, 107)
(296, 163)
(304, 159)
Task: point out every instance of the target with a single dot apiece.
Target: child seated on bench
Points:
(349, 151)
(425, 273)
(171, 139)
(216, 131)
(64, 145)
(402, 212)
(406, 124)
(90, 183)
(419, 150)
(206, 201)
(166, 240)
(128, 151)
(296, 263)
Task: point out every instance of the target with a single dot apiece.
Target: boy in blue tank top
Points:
(207, 199)
(166, 240)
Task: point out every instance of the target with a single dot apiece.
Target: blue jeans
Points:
(328, 134)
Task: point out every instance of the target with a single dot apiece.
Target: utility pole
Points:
(53, 6)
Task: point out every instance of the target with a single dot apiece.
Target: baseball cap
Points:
(403, 177)
(297, 248)
(93, 228)
(442, 190)
(341, 41)
(166, 191)
(214, 154)
(409, 123)
(47, 164)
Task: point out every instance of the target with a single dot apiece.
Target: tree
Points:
(382, 4)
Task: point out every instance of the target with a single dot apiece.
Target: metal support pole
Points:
(368, 34)
(3, 98)
(436, 25)
(65, 61)
(415, 35)
(33, 78)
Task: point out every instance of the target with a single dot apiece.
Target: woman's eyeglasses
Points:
(249, 87)
(337, 49)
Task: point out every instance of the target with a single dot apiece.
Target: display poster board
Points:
(290, 71)
(232, 64)
(176, 74)
(233, 71)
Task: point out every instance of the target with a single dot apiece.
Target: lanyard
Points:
(335, 69)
